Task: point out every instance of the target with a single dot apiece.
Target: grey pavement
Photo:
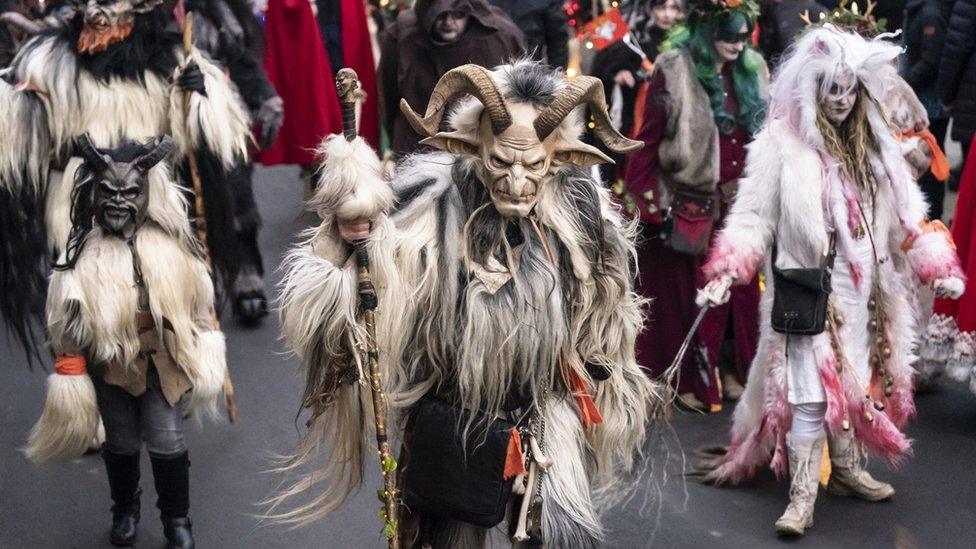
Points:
(67, 505)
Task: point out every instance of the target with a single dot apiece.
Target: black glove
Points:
(191, 79)
(270, 116)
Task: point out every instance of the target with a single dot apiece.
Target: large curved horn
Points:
(87, 149)
(584, 90)
(466, 79)
(145, 162)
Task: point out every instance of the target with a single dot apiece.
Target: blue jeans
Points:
(129, 419)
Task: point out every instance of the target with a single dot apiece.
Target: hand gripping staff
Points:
(347, 85)
(198, 203)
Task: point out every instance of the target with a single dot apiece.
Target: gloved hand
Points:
(949, 287)
(270, 116)
(191, 79)
(716, 292)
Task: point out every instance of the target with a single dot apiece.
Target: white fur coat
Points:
(782, 201)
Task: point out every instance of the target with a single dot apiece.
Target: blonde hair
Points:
(851, 143)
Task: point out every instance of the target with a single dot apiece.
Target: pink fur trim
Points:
(836, 403)
(933, 258)
(879, 435)
(725, 259)
(766, 442)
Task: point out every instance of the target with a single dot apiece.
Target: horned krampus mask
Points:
(120, 193)
(108, 21)
(520, 142)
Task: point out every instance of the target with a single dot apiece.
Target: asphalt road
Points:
(67, 505)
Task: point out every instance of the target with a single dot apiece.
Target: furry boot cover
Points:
(69, 420)
(208, 377)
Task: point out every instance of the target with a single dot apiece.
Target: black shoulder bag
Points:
(800, 298)
(447, 478)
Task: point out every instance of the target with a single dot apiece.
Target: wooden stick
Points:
(198, 205)
(347, 84)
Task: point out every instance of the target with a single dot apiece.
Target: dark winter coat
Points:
(780, 22)
(924, 29)
(544, 25)
(957, 72)
(411, 62)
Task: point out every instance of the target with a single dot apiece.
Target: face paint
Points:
(839, 97)
(450, 26)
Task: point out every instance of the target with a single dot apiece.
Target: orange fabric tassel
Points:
(589, 415)
(940, 164)
(514, 462)
(70, 365)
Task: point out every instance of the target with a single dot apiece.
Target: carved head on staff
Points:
(522, 122)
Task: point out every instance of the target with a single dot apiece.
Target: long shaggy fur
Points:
(68, 422)
(93, 305)
(440, 328)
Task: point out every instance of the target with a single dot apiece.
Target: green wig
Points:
(697, 36)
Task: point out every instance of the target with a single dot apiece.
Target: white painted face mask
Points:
(839, 97)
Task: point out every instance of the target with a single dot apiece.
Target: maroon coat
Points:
(671, 279)
(411, 62)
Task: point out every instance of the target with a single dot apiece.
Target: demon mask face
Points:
(108, 21)
(120, 181)
(517, 143)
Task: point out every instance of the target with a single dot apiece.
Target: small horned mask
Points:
(120, 181)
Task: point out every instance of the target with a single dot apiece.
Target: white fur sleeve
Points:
(932, 255)
(25, 139)
(317, 299)
(751, 224)
(218, 121)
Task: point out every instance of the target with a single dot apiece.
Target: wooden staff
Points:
(198, 205)
(347, 85)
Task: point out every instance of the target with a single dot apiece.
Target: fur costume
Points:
(792, 196)
(51, 93)
(489, 312)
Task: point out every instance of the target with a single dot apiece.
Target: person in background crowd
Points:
(622, 69)
(924, 34)
(345, 35)
(544, 24)
(956, 84)
(950, 337)
(299, 69)
(430, 39)
(780, 22)
(705, 100)
(230, 34)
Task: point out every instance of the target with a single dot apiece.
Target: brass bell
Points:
(888, 391)
(879, 406)
(872, 304)
(839, 319)
(873, 324)
(868, 416)
(886, 351)
(875, 360)
(845, 424)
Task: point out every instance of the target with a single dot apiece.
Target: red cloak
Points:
(299, 68)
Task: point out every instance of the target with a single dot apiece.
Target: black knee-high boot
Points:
(123, 482)
(171, 475)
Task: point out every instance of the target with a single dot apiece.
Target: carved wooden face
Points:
(121, 198)
(515, 163)
(120, 181)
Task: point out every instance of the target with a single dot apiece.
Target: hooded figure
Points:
(415, 56)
